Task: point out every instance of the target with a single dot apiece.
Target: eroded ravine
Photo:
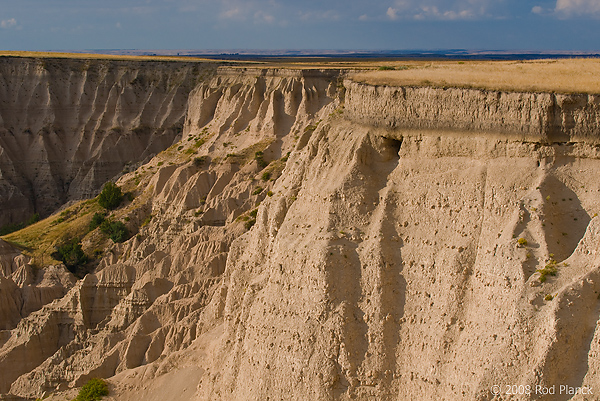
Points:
(378, 258)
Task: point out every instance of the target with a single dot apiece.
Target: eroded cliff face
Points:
(384, 261)
(67, 126)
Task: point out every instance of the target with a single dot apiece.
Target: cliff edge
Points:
(313, 237)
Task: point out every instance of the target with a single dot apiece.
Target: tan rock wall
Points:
(68, 126)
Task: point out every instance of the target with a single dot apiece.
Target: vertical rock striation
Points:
(313, 238)
(67, 126)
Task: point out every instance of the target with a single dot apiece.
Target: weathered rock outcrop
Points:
(391, 249)
(531, 117)
(67, 126)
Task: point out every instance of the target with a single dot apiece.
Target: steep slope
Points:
(396, 272)
(147, 297)
(68, 125)
(315, 238)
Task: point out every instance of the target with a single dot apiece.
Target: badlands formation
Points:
(298, 234)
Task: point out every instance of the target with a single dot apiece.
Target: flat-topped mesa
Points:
(530, 117)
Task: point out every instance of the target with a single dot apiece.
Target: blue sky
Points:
(309, 24)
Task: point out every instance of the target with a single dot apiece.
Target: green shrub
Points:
(116, 230)
(265, 176)
(97, 219)
(111, 196)
(248, 224)
(33, 219)
(147, 220)
(199, 161)
(257, 191)
(521, 242)
(270, 193)
(386, 68)
(259, 157)
(549, 270)
(93, 390)
(71, 254)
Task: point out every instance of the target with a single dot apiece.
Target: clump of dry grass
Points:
(562, 76)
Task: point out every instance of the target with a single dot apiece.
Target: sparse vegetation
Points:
(72, 255)
(115, 230)
(93, 390)
(266, 176)
(521, 242)
(111, 196)
(199, 161)
(548, 297)
(147, 220)
(259, 157)
(97, 219)
(11, 228)
(550, 269)
(257, 191)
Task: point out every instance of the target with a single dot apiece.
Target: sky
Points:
(541, 25)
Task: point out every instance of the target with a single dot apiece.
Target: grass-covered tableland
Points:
(577, 75)
(574, 75)
(94, 56)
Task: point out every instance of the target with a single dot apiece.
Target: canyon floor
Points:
(340, 230)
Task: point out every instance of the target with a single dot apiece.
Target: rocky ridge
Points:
(315, 238)
(67, 126)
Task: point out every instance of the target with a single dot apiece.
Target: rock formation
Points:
(310, 237)
(67, 126)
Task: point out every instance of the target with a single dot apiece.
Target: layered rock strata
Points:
(397, 251)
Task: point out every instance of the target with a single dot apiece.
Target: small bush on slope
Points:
(97, 220)
(93, 390)
(116, 230)
(72, 255)
(111, 196)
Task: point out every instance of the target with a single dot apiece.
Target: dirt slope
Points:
(384, 244)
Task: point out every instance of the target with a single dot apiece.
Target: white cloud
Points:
(440, 9)
(232, 13)
(262, 17)
(568, 8)
(392, 13)
(8, 23)
(537, 10)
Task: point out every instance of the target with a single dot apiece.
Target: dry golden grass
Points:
(562, 76)
(39, 240)
(91, 56)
